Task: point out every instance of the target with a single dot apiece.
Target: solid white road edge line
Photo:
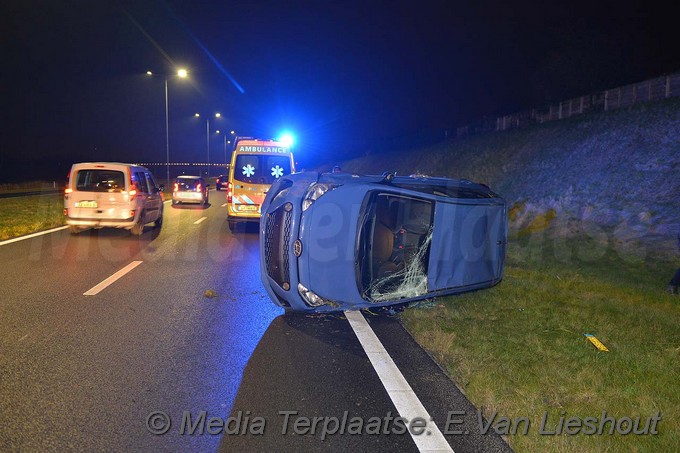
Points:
(32, 235)
(200, 220)
(96, 289)
(404, 399)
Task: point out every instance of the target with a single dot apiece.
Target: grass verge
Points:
(519, 349)
(25, 215)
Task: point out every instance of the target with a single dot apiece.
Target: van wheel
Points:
(159, 221)
(74, 229)
(138, 228)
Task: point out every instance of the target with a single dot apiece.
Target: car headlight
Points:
(314, 192)
(312, 299)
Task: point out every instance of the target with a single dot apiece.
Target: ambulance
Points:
(255, 165)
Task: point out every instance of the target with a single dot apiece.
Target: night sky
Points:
(346, 77)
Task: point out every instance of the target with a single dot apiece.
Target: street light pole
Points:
(167, 138)
(181, 73)
(207, 140)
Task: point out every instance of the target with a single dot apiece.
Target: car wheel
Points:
(138, 228)
(159, 221)
(74, 229)
(174, 202)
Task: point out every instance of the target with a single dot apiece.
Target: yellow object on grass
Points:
(597, 343)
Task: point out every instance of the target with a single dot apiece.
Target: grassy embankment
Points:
(25, 215)
(592, 247)
(518, 349)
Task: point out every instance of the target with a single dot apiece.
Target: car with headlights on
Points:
(339, 241)
(190, 189)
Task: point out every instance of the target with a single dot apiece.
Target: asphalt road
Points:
(84, 372)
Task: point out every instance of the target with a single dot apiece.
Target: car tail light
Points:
(66, 211)
(68, 190)
(198, 187)
(176, 188)
(229, 192)
(132, 213)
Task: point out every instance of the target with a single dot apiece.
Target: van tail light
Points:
(230, 193)
(198, 187)
(176, 188)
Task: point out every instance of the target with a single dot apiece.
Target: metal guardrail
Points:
(651, 90)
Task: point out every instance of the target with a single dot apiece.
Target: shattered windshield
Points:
(393, 247)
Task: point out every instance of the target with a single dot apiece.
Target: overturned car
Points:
(337, 241)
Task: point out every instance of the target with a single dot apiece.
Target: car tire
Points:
(159, 221)
(138, 228)
(74, 229)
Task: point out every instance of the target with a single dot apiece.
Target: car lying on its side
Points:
(190, 189)
(337, 241)
(112, 195)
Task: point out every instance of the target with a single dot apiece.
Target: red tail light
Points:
(133, 190)
(176, 188)
(229, 192)
(198, 187)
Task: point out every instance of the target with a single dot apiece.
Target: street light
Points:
(181, 73)
(207, 136)
(226, 162)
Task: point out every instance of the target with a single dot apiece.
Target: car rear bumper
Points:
(239, 212)
(96, 223)
(188, 197)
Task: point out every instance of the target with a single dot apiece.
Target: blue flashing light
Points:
(287, 139)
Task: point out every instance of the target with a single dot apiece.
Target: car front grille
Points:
(277, 246)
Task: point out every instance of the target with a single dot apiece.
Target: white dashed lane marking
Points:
(101, 286)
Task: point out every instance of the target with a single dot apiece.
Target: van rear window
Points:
(260, 169)
(100, 181)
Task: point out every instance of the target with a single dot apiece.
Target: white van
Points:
(112, 194)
